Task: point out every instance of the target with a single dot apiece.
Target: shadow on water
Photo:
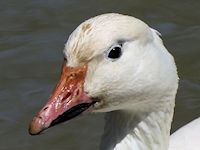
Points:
(33, 34)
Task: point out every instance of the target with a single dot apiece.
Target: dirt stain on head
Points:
(86, 28)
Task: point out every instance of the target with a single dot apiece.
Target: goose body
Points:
(117, 64)
(187, 137)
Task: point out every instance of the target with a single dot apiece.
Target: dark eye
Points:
(115, 52)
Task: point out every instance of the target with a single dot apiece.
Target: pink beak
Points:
(67, 100)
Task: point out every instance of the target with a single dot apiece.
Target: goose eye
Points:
(115, 52)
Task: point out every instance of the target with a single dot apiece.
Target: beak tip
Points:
(36, 126)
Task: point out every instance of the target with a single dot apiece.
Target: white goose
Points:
(117, 64)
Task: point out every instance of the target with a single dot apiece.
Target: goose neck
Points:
(135, 130)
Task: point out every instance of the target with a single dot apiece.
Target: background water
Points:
(32, 37)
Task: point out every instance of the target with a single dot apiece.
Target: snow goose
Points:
(117, 64)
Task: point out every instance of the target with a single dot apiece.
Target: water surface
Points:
(32, 37)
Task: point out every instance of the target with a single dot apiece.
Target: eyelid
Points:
(118, 43)
(113, 46)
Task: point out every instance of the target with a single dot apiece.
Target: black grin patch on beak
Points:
(71, 113)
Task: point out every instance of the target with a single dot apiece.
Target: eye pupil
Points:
(115, 53)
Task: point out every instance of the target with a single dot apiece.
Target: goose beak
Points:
(67, 101)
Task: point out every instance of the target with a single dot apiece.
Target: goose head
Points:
(111, 62)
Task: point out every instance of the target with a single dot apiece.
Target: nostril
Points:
(66, 96)
(45, 108)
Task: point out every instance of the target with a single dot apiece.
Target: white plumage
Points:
(137, 91)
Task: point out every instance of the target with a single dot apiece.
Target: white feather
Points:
(137, 90)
